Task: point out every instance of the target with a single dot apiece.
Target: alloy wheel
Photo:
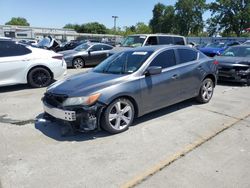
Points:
(207, 90)
(78, 63)
(120, 115)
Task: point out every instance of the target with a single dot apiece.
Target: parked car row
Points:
(112, 94)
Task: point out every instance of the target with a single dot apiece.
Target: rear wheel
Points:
(118, 116)
(39, 77)
(206, 91)
(78, 63)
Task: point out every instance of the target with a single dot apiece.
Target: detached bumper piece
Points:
(77, 118)
(60, 114)
(235, 74)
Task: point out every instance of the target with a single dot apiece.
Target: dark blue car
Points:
(130, 84)
(216, 48)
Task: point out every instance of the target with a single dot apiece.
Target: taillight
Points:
(58, 57)
(216, 62)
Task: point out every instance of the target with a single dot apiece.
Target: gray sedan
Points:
(130, 84)
(86, 54)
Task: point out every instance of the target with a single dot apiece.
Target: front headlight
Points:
(74, 101)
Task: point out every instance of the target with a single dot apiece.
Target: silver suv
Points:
(152, 39)
(138, 40)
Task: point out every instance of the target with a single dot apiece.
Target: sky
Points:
(57, 13)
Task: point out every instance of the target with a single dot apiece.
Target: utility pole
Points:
(114, 17)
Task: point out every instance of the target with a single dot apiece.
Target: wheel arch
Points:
(39, 66)
(78, 57)
(212, 77)
(131, 99)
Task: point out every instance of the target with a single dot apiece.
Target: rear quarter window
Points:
(186, 55)
(179, 41)
(165, 40)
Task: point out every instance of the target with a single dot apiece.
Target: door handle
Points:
(199, 67)
(175, 76)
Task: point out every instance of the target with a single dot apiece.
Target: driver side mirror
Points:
(153, 70)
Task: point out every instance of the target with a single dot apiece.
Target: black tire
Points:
(248, 81)
(206, 91)
(39, 77)
(78, 63)
(107, 124)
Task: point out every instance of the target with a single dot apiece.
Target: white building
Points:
(26, 32)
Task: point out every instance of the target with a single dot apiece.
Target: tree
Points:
(92, 27)
(157, 21)
(168, 23)
(141, 27)
(95, 27)
(229, 16)
(18, 21)
(189, 16)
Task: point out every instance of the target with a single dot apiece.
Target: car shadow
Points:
(52, 129)
(18, 87)
(231, 84)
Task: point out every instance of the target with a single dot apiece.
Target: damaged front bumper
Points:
(82, 118)
(234, 74)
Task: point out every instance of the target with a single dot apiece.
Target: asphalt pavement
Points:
(184, 145)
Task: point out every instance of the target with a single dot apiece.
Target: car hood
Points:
(232, 61)
(70, 53)
(211, 50)
(118, 49)
(84, 84)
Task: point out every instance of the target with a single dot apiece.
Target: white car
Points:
(21, 64)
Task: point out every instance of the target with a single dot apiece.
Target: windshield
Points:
(237, 52)
(45, 42)
(133, 41)
(216, 45)
(123, 63)
(82, 47)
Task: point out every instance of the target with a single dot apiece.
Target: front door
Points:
(162, 89)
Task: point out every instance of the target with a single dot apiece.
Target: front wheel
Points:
(39, 77)
(118, 116)
(78, 63)
(206, 91)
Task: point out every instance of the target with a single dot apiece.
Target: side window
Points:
(10, 48)
(179, 41)
(151, 41)
(106, 47)
(96, 48)
(186, 55)
(164, 59)
(165, 40)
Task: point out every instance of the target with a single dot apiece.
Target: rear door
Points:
(189, 68)
(162, 89)
(13, 61)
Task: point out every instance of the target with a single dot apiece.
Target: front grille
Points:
(55, 100)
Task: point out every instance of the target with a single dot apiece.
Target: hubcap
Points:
(207, 90)
(78, 63)
(120, 115)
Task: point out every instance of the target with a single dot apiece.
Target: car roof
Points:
(96, 43)
(158, 34)
(154, 48)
